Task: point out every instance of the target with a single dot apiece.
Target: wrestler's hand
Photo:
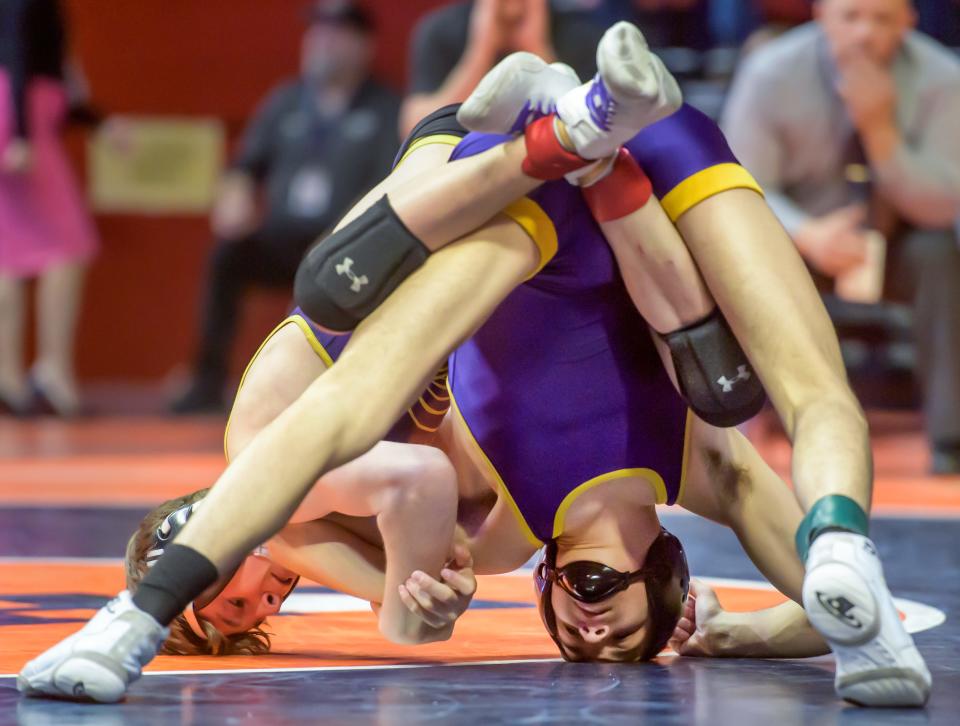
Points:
(697, 633)
(440, 603)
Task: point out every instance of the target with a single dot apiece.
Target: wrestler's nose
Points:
(594, 633)
(269, 604)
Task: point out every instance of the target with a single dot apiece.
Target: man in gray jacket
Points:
(851, 124)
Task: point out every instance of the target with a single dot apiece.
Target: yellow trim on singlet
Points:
(538, 226)
(652, 477)
(437, 395)
(448, 139)
(311, 339)
(524, 211)
(422, 427)
(430, 409)
(704, 184)
(501, 486)
(687, 433)
(559, 519)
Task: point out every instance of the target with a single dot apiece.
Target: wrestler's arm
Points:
(401, 485)
(778, 632)
(442, 204)
(329, 553)
(656, 266)
(411, 490)
(499, 545)
(759, 281)
(728, 482)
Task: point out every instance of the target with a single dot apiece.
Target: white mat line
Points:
(310, 669)
(99, 561)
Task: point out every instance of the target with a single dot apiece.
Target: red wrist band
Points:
(624, 190)
(546, 157)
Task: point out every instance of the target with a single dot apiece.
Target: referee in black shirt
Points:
(314, 146)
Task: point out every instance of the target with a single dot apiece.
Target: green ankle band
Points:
(831, 512)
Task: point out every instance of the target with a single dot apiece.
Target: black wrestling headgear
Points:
(665, 573)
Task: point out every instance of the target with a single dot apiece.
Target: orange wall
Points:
(186, 57)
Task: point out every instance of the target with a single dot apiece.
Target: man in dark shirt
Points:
(453, 47)
(313, 147)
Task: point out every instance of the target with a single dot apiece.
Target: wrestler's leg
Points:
(449, 202)
(382, 241)
(657, 268)
(349, 408)
(705, 360)
(353, 270)
(633, 89)
(761, 284)
(729, 482)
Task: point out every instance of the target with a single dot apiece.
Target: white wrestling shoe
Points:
(847, 601)
(101, 660)
(516, 92)
(631, 90)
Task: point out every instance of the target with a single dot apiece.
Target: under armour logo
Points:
(79, 689)
(530, 113)
(728, 383)
(839, 607)
(600, 104)
(346, 268)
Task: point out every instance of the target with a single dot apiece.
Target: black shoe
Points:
(945, 460)
(199, 398)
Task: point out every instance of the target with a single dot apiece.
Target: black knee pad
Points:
(346, 276)
(713, 372)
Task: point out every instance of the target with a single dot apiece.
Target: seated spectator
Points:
(313, 147)
(454, 46)
(859, 90)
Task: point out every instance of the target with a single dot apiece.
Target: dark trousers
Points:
(234, 266)
(923, 269)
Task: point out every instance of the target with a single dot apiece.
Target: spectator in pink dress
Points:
(45, 230)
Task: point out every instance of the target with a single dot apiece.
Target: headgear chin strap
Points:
(665, 573)
(169, 528)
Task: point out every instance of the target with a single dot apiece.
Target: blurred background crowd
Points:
(846, 111)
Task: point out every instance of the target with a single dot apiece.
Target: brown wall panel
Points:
(184, 57)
